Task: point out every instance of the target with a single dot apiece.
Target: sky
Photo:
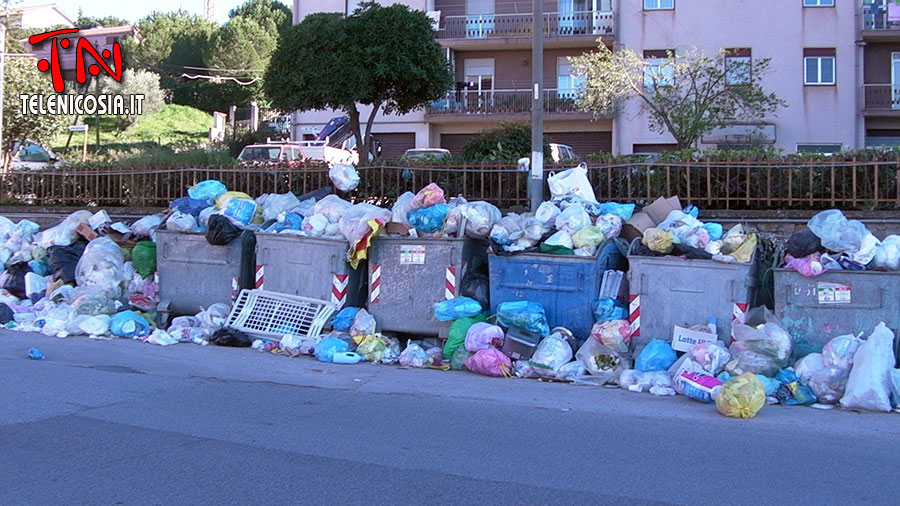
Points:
(134, 11)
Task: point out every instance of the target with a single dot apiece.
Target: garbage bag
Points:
(839, 352)
(741, 397)
(214, 316)
(844, 236)
(391, 354)
(810, 266)
(14, 279)
(315, 225)
(460, 355)
(711, 356)
(655, 382)
(190, 206)
(288, 221)
(64, 260)
(242, 210)
(129, 324)
(887, 254)
(208, 190)
(587, 237)
(326, 349)
(344, 177)
(598, 360)
(614, 334)
(608, 308)
(480, 218)
(181, 222)
(92, 300)
(610, 225)
(489, 362)
(6, 314)
(803, 243)
(476, 286)
(525, 315)
(96, 325)
(332, 207)
(547, 213)
(372, 348)
(459, 307)
(414, 356)
(363, 324)
(427, 197)
(559, 243)
(573, 218)
(869, 384)
(343, 320)
(572, 181)
(714, 230)
(430, 219)
(354, 224)
(146, 226)
(401, 209)
(698, 386)
(481, 335)
(275, 204)
(306, 207)
(551, 353)
(658, 355)
(571, 371)
(221, 231)
(143, 258)
(658, 240)
(621, 211)
(761, 345)
(101, 265)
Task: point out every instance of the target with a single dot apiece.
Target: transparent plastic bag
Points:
(839, 352)
(844, 236)
(101, 266)
(274, 204)
(63, 234)
(332, 207)
(146, 226)
(610, 225)
(392, 352)
(344, 177)
(547, 213)
(525, 315)
(483, 335)
(598, 360)
(761, 345)
(887, 255)
(214, 316)
(414, 356)
(181, 222)
(572, 219)
(354, 223)
(480, 218)
(654, 382)
(551, 354)
(363, 324)
(869, 384)
(429, 196)
(401, 209)
(712, 357)
(614, 334)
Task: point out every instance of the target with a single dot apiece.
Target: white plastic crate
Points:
(270, 314)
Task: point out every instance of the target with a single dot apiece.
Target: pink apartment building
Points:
(835, 62)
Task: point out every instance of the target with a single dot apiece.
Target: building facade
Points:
(836, 63)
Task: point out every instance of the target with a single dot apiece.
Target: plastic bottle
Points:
(713, 327)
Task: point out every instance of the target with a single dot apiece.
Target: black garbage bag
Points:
(231, 337)
(220, 230)
(6, 314)
(64, 260)
(14, 279)
(803, 243)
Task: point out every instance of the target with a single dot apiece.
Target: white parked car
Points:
(561, 152)
(30, 155)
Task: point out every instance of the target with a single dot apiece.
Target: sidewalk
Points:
(188, 361)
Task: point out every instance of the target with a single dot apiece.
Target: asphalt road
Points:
(121, 422)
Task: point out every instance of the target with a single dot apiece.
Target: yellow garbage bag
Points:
(587, 237)
(222, 200)
(372, 348)
(658, 240)
(742, 396)
(744, 252)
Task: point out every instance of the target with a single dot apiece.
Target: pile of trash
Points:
(832, 242)
(682, 234)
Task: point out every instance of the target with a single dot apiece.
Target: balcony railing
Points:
(503, 102)
(881, 17)
(882, 96)
(556, 24)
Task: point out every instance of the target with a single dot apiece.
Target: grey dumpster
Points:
(814, 310)
(409, 275)
(310, 267)
(194, 274)
(665, 291)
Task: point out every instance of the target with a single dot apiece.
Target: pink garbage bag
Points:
(427, 197)
(483, 335)
(489, 362)
(810, 266)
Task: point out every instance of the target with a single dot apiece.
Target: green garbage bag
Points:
(457, 362)
(457, 335)
(144, 258)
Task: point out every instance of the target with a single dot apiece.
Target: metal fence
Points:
(711, 185)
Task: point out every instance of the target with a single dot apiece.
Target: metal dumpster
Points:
(666, 291)
(310, 267)
(565, 285)
(409, 275)
(194, 274)
(815, 310)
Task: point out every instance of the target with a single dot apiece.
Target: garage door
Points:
(393, 145)
(455, 142)
(584, 143)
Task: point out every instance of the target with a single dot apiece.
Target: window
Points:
(818, 66)
(738, 66)
(818, 3)
(656, 5)
(568, 81)
(825, 149)
(479, 18)
(658, 70)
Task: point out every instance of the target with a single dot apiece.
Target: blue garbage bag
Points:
(623, 211)
(715, 231)
(525, 315)
(691, 210)
(207, 190)
(291, 221)
(608, 308)
(41, 267)
(656, 356)
(429, 219)
(241, 210)
(454, 309)
(326, 349)
(344, 319)
(129, 324)
(187, 205)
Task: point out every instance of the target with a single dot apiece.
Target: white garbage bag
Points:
(869, 386)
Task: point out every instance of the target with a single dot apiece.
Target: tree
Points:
(506, 142)
(242, 47)
(137, 82)
(170, 40)
(263, 12)
(382, 57)
(21, 77)
(687, 95)
(84, 22)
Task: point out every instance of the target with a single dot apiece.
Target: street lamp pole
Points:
(536, 177)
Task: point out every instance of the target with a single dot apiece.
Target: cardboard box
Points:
(650, 216)
(683, 338)
(396, 229)
(99, 220)
(87, 232)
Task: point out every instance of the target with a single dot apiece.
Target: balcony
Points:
(881, 100)
(559, 27)
(503, 104)
(881, 22)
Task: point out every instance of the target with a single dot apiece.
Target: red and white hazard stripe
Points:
(450, 284)
(634, 314)
(737, 315)
(339, 284)
(375, 284)
(260, 277)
